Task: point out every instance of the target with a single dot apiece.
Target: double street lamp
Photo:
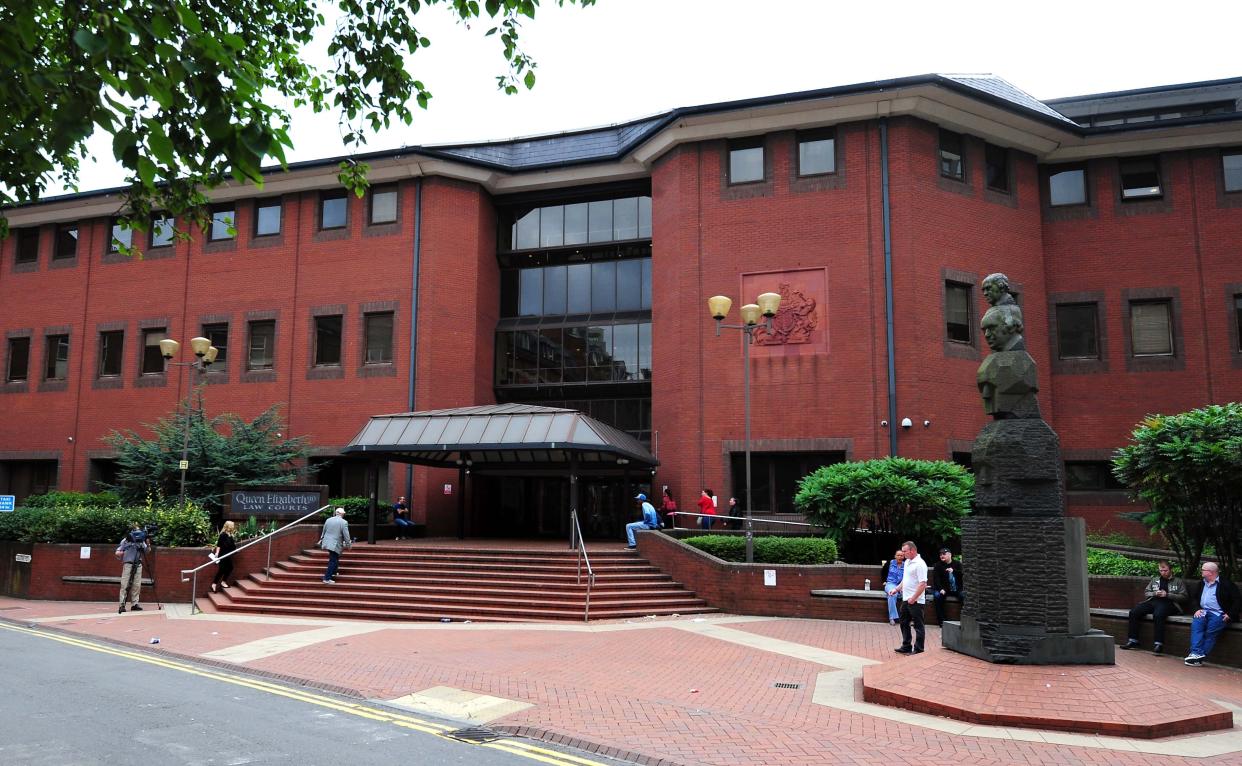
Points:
(752, 313)
(206, 354)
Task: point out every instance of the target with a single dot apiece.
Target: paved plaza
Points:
(719, 690)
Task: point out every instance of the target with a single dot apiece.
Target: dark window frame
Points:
(330, 196)
(951, 285)
(21, 247)
(111, 347)
(960, 175)
(207, 328)
(1095, 335)
(1101, 478)
(251, 325)
(14, 340)
(148, 353)
(264, 204)
(813, 136)
(113, 248)
(997, 157)
(156, 221)
(1156, 163)
(367, 317)
(1168, 306)
(393, 189)
(216, 210)
(747, 144)
(1080, 167)
(317, 349)
(52, 344)
(1224, 175)
(1158, 362)
(58, 253)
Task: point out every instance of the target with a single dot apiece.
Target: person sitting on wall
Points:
(1165, 595)
(891, 572)
(651, 520)
(948, 578)
(1219, 604)
(401, 517)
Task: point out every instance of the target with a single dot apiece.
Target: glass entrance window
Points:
(577, 288)
(610, 220)
(775, 476)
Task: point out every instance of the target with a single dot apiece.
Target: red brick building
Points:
(574, 269)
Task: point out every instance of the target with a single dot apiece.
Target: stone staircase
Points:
(409, 581)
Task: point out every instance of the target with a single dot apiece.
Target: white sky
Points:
(624, 59)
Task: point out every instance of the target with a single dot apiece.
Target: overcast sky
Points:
(624, 59)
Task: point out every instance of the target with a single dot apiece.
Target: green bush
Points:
(60, 499)
(769, 550)
(1102, 562)
(189, 526)
(356, 509)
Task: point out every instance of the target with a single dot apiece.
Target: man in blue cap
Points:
(650, 521)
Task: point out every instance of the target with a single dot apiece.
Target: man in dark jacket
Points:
(1165, 595)
(1217, 602)
(947, 579)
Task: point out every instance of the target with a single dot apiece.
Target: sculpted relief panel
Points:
(801, 325)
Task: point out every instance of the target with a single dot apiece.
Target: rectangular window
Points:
(27, 245)
(746, 161)
(19, 360)
(378, 330)
(1067, 187)
(218, 334)
(111, 353)
(328, 341)
(152, 359)
(333, 210)
(1091, 476)
(56, 357)
(163, 230)
(1231, 164)
(1151, 328)
(951, 165)
(552, 226)
(599, 221)
(817, 153)
(957, 312)
(1237, 310)
(262, 352)
(66, 243)
(1140, 178)
(267, 218)
(223, 223)
(122, 236)
(996, 164)
(383, 204)
(1078, 331)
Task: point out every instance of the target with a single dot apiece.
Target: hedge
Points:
(768, 550)
(90, 523)
(1104, 562)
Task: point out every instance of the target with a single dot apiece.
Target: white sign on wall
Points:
(84, 552)
(23, 558)
(769, 578)
(448, 489)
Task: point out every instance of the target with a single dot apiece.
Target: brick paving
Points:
(655, 691)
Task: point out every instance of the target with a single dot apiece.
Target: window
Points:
(1237, 310)
(580, 223)
(1078, 331)
(378, 331)
(56, 357)
(27, 246)
(996, 166)
(66, 243)
(19, 360)
(951, 165)
(218, 334)
(1231, 164)
(333, 210)
(746, 161)
(1067, 187)
(817, 153)
(1140, 178)
(578, 288)
(957, 312)
(327, 341)
(581, 354)
(111, 353)
(775, 477)
(163, 231)
(223, 223)
(122, 237)
(266, 219)
(1091, 476)
(383, 204)
(152, 359)
(1151, 328)
(262, 352)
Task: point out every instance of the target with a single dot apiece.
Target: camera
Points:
(146, 534)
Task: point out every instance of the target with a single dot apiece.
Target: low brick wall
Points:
(50, 563)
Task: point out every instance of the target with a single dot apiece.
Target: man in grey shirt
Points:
(335, 538)
(130, 551)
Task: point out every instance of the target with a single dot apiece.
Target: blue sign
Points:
(8, 502)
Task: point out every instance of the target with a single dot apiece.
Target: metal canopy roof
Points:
(499, 436)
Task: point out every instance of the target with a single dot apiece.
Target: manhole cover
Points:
(783, 685)
(475, 734)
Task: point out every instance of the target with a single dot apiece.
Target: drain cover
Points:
(477, 734)
(783, 685)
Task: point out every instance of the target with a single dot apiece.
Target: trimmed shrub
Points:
(356, 509)
(768, 550)
(1102, 562)
(179, 527)
(60, 499)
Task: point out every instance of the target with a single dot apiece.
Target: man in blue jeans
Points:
(334, 540)
(1218, 604)
(650, 521)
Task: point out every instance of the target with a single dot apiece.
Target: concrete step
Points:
(431, 585)
(299, 570)
(534, 570)
(346, 589)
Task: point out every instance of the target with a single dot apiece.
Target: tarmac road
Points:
(68, 700)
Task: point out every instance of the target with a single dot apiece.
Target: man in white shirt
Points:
(913, 586)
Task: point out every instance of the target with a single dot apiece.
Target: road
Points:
(69, 700)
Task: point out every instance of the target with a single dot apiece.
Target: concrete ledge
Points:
(100, 580)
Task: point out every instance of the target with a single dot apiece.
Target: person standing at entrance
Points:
(707, 507)
(651, 520)
(669, 507)
(334, 540)
(913, 587)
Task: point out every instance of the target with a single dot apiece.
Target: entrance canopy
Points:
(500, 436)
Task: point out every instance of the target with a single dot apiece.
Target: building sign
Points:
(8, 502)
(274, 502)
(448, 489)
(22, 558)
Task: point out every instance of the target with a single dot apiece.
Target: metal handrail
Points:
(266, 570)
(576, 532)
(743, 518)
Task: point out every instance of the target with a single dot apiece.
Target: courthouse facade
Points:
(572, 270)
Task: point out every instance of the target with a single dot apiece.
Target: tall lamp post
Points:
(752, 313)
(206, 354)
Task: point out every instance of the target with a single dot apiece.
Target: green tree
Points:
(223, 450)
(1188, 468)
(919, 499)
(191, 90)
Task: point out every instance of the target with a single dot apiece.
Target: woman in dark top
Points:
(224, 567)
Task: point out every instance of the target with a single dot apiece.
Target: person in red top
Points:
(669, 507)
(707, 507)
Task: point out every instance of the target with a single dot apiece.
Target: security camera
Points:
(927, 424)
(883, 424)
(907, 423)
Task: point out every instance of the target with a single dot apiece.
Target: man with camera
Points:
(131, 550)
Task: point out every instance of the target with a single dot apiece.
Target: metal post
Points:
(194, 594)
(185, 443)
(574, 542)
(267, 570)
(750, 529)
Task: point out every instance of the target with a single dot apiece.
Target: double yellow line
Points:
(516, 747)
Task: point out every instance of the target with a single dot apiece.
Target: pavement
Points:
(719, 690)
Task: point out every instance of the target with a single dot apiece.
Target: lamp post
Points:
(765, 308)
(206, 354)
